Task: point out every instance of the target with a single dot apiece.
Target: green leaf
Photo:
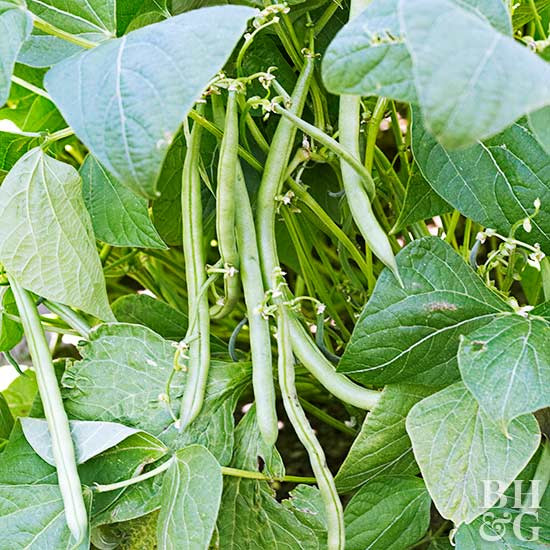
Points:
(128, 10)
(458, 446)
(191, 495)
(20, 394)
(31, 112)
(94, 20)
(119, 216)
(539, 122)
(412, 333)
(46, 239)
(166, 209)
(90, 438)
(369, 56)
(389, 513)
(506, 366)
(468, 94)
(307, 505)
(11, 331)
(523, 12)
(495, 530)
(441, 544)
(250, 517)
(15, 27)
(6, 419)
(123, 371)
(382, 447)
(33, 516)
(141, 309)
(13, 146)
(421, 202)
(112, 113)
(495, 183)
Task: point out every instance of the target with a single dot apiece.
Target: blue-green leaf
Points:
(126, 98)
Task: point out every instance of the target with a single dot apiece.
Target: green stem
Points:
(31, 87)
(342, 152)
(60, 134)
(73, 319)
(56, 417)
(232, 472)
(537, 17)
(545, 273)
(326, 418)
(336, 537)
(48, 28)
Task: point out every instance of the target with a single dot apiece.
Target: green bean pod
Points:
(260, 340)
(336, 536)
(195, 273)
(225, 208)
(56, 417)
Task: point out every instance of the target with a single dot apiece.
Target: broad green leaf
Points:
(106, 93)
(458, 446)
(20, 394)
(33, 516)
(495, 183)
(119, 216)
(191, 495)
(369, 56)
(6, 419)
(11, 331)
(495, 530)
(128, 10)
(123, 371)
(89, 438)
(468, 94)
(15, 27)
(307, 505)
(389, 513)
(46, 239)
(539, 122)
(412, 333)
(250, 517)
(506, 366)
(141, 309)
(382, 447)
(421, 202)
(94, 20)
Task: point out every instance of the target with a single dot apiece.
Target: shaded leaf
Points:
(119, 216)
(539, 122)
(11, 331)
(382, 447)
(458, 446)
(412, 333)
(46, 239)
(106, 93)
(191, 495)
(421, 202)
(506, 366)
(145, 310)
(12, 147)
(20, 394)
(494, 183)
(389, 513)
(6, 419)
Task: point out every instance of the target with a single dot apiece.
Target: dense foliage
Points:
(280, 270)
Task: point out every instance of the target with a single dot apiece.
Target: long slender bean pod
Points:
(333, 507)
(56, 417)
(358, 200)
(225, 208)
(254, 294)
(275, 169)
(199, 346)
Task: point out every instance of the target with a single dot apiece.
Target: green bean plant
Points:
(273, 276)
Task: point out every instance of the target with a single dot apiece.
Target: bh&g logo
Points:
(518, 513)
